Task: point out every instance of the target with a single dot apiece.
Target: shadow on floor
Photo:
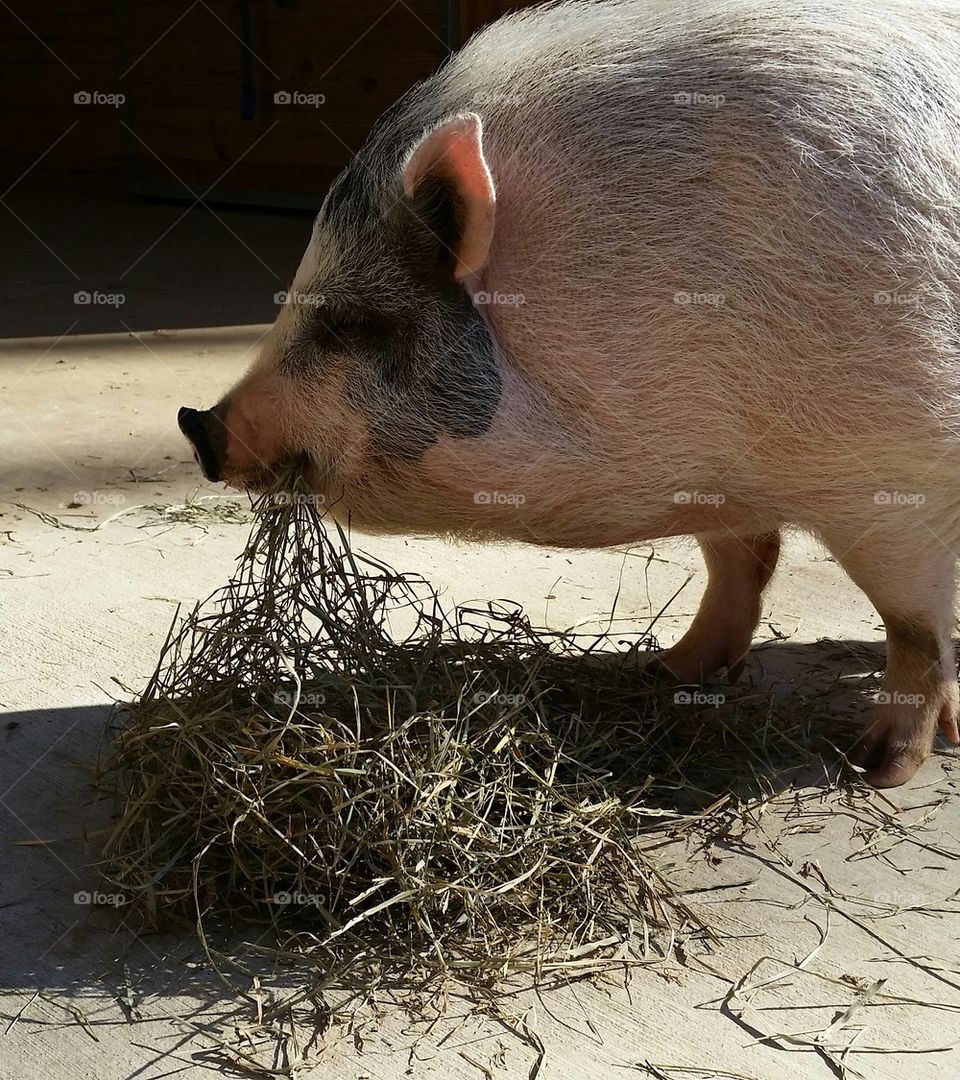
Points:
(81, 950)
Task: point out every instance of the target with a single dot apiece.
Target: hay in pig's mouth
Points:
(395, 789)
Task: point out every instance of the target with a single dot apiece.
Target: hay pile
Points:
(390, 784)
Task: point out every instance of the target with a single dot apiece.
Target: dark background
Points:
(181, 183)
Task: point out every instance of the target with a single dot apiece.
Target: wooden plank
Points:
(186, 93)
(185, 87)
(64, 48)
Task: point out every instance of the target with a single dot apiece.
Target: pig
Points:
(627, 269)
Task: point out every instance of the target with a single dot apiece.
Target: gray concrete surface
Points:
(862, 886)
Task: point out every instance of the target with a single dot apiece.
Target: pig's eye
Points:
(349, 324)
(348, 327)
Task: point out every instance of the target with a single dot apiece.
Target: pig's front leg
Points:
(738, 569)
(911, 585)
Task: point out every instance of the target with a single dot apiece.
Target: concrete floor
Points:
(91, 420)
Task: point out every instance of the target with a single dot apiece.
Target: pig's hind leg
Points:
(738, 570)
(912, 587)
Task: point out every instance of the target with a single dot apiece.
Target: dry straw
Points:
(397, 786)
(409, 796)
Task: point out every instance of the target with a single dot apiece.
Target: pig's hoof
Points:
(890, 758)
(691, 667)
(894, 745)
(948, 722)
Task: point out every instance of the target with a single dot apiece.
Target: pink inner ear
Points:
(454, 153)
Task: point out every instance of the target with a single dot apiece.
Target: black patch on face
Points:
(465, 397)
(412, 394)
(337, 327)
(416, 358)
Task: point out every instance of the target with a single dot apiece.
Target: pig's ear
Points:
(447, 179)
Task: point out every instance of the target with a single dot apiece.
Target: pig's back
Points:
(721, 147)
(752, 202)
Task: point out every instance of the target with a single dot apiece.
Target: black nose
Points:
(206, 432)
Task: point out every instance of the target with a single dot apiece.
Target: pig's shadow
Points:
(795, 711)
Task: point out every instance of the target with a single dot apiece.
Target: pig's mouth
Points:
(317, 475)
(225, 458)
(280, 475)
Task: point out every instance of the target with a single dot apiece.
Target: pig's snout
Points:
(207, 435)
(237, 442)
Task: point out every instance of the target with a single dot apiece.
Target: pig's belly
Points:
(731, 518)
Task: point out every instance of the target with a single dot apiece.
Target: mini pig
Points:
(629, 269)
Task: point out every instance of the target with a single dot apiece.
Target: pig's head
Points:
(378, 354)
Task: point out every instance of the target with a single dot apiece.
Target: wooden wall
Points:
(199, 86)
(56, 49)
(211, 116)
